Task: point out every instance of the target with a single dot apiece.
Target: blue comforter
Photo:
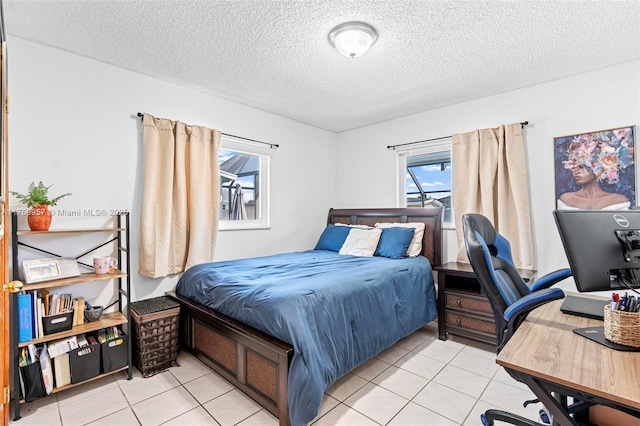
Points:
(336, 311)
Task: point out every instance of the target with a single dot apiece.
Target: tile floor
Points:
(419, 381)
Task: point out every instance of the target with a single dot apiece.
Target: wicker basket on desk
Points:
(622, 327)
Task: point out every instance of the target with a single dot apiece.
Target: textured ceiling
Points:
(275, 55)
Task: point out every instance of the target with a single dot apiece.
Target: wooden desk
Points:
(552, 358)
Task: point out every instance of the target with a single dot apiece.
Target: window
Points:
(244, 189)
(425, 175)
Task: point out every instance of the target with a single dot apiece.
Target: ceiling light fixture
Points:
(353, 38)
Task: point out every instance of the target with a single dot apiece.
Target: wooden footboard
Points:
(254, 362)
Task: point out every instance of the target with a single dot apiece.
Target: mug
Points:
(104, 265)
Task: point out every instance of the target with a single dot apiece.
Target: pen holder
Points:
(622, 327)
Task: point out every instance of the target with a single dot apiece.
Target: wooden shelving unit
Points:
(69, 231)
(121, 317)
(73, 385)
(83, 278)
(106, 321)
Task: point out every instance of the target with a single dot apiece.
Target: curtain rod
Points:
(522, 124)
(271, 145)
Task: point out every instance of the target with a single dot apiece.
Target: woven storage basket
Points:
(155, 334)
(622, 327)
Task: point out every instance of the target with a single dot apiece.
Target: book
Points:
(24, 357)
(46, 298)
(62, 370)
(75, 311)
(47, 370)
(33, 354)
(107, 334)
(81, 310)
(22, 391)
(39, 311)
(68, 302)
(34, 313)
(82, 341)
(25, 314)
(53, 304)
(62, 346)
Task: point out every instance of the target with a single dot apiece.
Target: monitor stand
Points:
(597, 335)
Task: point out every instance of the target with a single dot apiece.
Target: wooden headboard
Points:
(430, 216)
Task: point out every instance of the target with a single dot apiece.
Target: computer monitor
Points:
(603, 247)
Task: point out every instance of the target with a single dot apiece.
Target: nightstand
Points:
(463, 309)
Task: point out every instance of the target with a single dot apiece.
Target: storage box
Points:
(113, 353)
(31, 381)
(155, 334)
(84, 363)
(57, 323)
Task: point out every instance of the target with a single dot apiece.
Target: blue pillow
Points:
(332, 238)
(394, 242)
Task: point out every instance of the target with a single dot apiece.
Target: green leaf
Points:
(37, 195)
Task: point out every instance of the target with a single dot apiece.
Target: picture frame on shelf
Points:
(40, 270)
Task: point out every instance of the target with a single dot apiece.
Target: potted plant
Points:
(37, 199)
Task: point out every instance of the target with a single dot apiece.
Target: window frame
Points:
(229, 143)
(431, 147)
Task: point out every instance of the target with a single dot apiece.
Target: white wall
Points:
(598, 100)
(73, 124)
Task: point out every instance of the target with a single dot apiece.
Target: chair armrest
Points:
(518, 310)
(550, 279)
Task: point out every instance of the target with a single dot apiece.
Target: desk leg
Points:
(563, 401)
(559, 413)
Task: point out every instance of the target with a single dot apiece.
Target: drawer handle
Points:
(458, 302)
(458, 321)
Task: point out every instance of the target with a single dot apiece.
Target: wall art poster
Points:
(596, 170)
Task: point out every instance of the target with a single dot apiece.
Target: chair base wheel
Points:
(485, 421)
(490, 416)
(544, 416)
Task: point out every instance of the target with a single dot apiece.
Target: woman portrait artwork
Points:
(595, 171)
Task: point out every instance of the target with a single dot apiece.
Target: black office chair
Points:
(510, 297)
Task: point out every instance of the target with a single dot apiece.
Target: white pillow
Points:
(354, 226)
(361, 242)
(415, 247)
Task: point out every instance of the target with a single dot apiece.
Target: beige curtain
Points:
(180, 196)
(490, 178)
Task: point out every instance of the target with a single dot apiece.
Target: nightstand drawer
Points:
(468, 302)
(470, 322)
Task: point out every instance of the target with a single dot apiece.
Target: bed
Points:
(327, 321)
